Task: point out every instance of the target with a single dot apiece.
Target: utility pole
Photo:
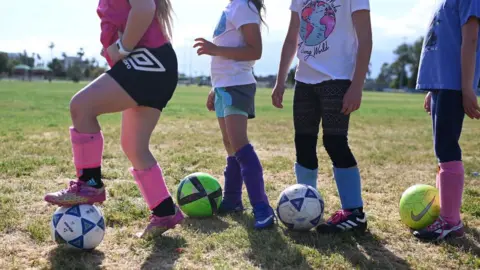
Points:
(400, 83)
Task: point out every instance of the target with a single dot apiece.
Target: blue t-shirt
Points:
(440, 62)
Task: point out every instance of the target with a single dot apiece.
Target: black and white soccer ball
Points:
(300, 207)
(81, 226)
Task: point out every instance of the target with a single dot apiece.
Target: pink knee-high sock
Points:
(151, 185)
(87, 150)
(451, 180)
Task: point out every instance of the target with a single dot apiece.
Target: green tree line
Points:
(81, 69)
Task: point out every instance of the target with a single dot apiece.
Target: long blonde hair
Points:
(164, 16)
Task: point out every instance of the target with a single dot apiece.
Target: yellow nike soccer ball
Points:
(419, 206)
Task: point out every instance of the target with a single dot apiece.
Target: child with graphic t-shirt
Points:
(450, 72)
(333, 42)
(237, 43)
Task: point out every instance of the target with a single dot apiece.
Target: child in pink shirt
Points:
(143, 76)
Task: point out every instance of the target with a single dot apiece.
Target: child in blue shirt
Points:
(450, 72)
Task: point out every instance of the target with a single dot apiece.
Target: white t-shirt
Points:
(328, 44)
(227, 72)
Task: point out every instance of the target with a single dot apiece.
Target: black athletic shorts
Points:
(149, 76)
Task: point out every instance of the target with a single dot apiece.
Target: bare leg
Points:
(103, 95)
(137, 126)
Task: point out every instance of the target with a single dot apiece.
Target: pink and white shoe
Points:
(159, 225)
(440, 230)
(78, 192)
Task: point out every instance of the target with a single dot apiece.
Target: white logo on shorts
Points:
(143, 60)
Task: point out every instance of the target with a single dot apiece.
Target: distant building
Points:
(266, 82)
(14, 55)
(372, 85)
(70, 61)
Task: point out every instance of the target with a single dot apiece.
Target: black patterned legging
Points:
(316, 102)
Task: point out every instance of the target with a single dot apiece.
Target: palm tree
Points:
(39, 58)
(80, 53)
(51, 46)
(93, 62)
(369, 72)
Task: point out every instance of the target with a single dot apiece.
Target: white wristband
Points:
(121, 49)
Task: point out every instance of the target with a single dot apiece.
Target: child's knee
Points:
(76, 107)
(228, 145)
(226, 142)
(448, 152)
(306, 148)
(238, 142)
(79, 108)
(132, 150)
(339, 151)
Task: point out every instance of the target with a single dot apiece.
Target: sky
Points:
(32, 25)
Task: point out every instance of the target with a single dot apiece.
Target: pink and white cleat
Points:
(78, 192)
(440, 230)
(159, 225)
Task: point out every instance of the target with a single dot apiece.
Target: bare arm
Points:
(140, 17)
(469, 52)
(252, 49)
(289, 48)
(363, 28)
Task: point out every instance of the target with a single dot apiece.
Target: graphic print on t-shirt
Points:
(221, 26)
(431, 39)
(317, 22)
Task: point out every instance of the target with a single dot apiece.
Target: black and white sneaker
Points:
(343, 221)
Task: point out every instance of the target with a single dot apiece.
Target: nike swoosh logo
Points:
(424, 211)
(265, 220)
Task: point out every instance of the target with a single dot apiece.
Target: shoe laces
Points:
(438, 224)
(73, 187)
(339, 216)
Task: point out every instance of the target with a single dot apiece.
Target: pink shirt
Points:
(114, 14)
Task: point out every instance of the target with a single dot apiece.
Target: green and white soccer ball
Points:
(419, 206)
(199, 195)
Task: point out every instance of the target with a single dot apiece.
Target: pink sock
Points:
(151, 185)
(87, 150)
(451, 179)
(437, 179)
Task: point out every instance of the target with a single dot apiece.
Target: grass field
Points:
(390, 136)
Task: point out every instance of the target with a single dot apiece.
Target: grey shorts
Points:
(235, 100)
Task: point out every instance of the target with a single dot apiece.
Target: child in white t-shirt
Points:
(333, 43)
(237, 43)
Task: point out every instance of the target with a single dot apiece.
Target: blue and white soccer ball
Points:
(300, 207)
(81, 226)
